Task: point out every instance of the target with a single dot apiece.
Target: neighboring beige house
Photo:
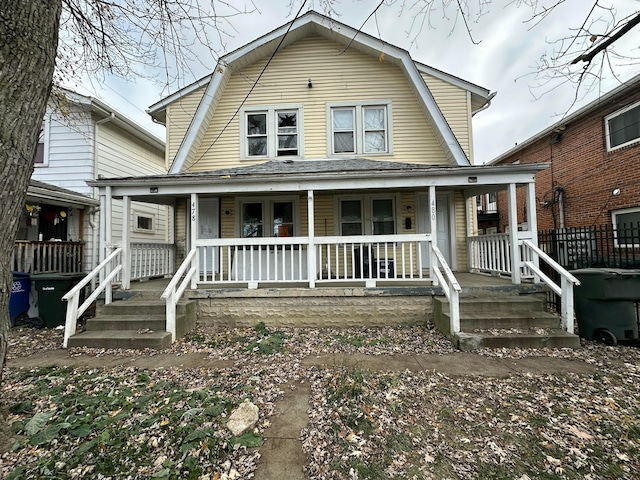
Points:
(319, 156)
(83, 139)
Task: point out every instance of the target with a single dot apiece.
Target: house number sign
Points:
(193, 211)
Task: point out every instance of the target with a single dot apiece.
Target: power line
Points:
(252, 86)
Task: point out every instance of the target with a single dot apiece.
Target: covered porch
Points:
(426, 236)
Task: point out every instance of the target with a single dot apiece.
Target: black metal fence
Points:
(587, 247)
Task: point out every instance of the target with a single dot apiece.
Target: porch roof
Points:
(52, 194)
(319, 175)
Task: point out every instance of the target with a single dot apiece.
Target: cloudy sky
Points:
(503, 59)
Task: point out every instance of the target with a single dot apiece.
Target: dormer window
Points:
(271, 132)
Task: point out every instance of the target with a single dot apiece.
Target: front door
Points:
(443, 225)
(209, 228)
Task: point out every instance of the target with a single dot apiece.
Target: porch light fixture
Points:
(309, 84)
(616, 191)
(153, 189)
(473, 179)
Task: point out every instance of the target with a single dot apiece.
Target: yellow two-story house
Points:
(321, 159)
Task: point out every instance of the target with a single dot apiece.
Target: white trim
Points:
(613, 115)
(46, 135)
(271, 112)
(614, 214)
(137, 214)
(358, 108)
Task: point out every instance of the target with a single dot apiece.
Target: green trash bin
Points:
(605, 304)
(50, 288)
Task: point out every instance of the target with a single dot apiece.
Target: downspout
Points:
(487, 103)
(560, 191)
(94, 233)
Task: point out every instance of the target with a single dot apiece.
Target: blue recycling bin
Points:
(19, 299)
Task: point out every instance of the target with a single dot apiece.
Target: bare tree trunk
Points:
(29, 33)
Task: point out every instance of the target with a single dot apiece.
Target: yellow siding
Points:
(455, 107)
(337, 76)
(179, 116)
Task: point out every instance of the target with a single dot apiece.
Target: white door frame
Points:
(451, 234)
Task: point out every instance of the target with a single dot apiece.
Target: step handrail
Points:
(174, 291)
(449, 285)
(72, 297)
(564, 290)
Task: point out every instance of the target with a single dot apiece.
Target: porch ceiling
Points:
(319, 175)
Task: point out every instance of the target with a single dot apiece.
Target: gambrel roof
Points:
(313, 23)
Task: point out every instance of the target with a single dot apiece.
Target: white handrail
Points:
(172, 294)
(450, 287)
(72, 297)
(564, 290)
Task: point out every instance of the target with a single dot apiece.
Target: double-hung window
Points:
(268, 218)
(41, 155)
(623, 127)
(368, 215)
(271, 132)
(359, 129)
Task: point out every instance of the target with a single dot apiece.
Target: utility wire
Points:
(252, 86)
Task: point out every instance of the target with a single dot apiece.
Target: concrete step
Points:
(496, 305)
(472, 321)
(129, 339)
(133, 307)
(126, 322)
(555, 338)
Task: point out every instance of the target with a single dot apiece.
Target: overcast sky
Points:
(508, 51)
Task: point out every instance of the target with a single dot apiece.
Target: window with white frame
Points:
(40, 157)
(271, 132)
(359, 128)
(626, 224)
(143, 223)
(367, 215)
(268, 218)
(623, 127)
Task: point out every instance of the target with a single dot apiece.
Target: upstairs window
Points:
(359, 129)
(623, 127)
(271, 132)
(40, 156)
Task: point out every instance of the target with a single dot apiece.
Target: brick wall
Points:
(582, 167)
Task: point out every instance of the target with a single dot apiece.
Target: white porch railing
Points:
(490, 253)
(286, 259)
(151, 260)
(112, 265)
(371, 257)
(450, 286)
(567, 281)
(174, 291)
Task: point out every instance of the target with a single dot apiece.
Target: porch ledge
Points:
(352, 291)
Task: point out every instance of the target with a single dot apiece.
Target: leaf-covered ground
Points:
(125, 422)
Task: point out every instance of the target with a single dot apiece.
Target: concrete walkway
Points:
(282, 456)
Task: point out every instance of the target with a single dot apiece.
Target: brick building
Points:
(594, 165)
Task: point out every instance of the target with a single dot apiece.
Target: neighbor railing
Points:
(43, 257)
(110, 268)
(567, 281)
(178, 284)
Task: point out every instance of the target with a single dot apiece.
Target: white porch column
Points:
(126, 248)
(311, 252)
(434, 233)
(194, 237)
(532, 221)
(513, 234)
(108, 241)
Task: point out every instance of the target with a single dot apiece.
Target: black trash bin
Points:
(51, 287)
(605, 304)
